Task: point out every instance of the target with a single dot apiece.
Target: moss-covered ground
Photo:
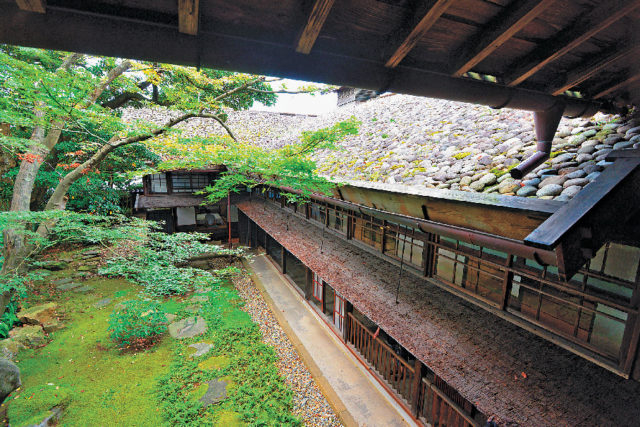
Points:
(101, 385)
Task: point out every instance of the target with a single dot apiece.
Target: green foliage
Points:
(256, 392)
(384, 136)
(152, 263)
(8, 319)
(250, 165)
(137, 324)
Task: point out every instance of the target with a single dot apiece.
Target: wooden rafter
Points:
(603, 16)
(593, 67)
(38, 6)
(498, 31)
(435, 11)
(315, 22)
(617, 86)
(188, 16)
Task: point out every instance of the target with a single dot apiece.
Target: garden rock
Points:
(39, 314)
(201, 348)
(9, 348)
(54, 265)
(52, 326)
(31, 336)
(68, 286)
(62, 281)
(85, 268)
(216, 392)
(9, 378)
(102, 303)
(83, 289)
(200, 298)
(188, 328)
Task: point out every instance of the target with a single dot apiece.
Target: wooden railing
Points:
(434, 407)
(395, 370)
(439, 410)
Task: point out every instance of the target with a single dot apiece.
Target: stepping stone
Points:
(216, 392)
(193, 309)
(83, 289)
(68, 286)
(200, 298)
(85, 268)
(63, 281)
(203, 290)
(102, 303)
(201, 348)
(187, 328)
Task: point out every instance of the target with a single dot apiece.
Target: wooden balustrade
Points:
(395, 370)
(439, 410)
(434, 407)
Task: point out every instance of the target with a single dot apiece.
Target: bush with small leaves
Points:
(137, 325)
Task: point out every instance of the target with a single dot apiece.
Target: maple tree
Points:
(62, 121)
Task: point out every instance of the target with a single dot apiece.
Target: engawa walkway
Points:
(354, 393)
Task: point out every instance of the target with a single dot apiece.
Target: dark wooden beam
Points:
(38, 6)
(603, 16)
(498, 31)
(592, 67)
(188, 16)
(602, 209)
(617, 86)
(75, 31)
(435, 11)
(315, 22)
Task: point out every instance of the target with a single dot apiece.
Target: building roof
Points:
(524, 54)
(418, 143)
(481, 355)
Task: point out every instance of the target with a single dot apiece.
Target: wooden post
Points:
(284, 260)
(415, 387)
(348, 308)
(507, 283)
(309, 283)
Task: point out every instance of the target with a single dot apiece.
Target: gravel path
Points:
(309, 402)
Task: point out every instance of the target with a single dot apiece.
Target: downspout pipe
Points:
(546, 123)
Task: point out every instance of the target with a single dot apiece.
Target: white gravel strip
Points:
(309, 402)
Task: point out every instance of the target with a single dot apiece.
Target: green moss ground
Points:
(106, 387)
(160, 386)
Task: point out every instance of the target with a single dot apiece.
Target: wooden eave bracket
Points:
(38, 6)
(188, 16)
(602, 209)
(499, 31)
(312, 28)
(428, 20)
(603, 16)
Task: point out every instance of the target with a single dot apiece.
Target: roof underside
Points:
(522, 53)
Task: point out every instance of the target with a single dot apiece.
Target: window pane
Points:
(622, 262)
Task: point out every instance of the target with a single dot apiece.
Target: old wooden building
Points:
(173, 199)
(470, 308)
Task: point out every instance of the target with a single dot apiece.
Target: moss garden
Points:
(139, 341)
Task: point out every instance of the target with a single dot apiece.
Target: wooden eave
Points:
(532, 46)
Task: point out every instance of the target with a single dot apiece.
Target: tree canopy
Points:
(64, 143)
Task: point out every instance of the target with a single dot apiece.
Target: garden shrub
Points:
(137, 325)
